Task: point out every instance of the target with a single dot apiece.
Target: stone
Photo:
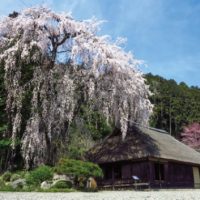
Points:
(91, 184)
(19, 183)
(15, 177)
(59, 177)
(45, 185)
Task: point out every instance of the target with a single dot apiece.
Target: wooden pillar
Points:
(166, 174)
(196, 177)
(151, 173)
(113, 177)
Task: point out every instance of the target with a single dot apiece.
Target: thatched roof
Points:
(142, 143)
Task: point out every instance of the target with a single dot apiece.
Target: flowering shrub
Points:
(191, 135)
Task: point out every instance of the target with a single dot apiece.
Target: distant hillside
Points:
(175, 105)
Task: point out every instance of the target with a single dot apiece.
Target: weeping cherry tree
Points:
(52, 65)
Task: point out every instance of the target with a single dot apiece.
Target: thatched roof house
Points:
(153, 155)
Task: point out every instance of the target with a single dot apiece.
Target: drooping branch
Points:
(43, 96)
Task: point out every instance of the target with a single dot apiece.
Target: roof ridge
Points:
(148, 127)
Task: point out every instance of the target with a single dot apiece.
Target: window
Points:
(159, 171)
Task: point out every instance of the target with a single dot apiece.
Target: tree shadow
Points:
(136, 145)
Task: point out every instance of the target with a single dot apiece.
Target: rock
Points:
(45, 185)
(19, 183)
(60, 177)
(91, 184)
(63, 177)
(15, 177)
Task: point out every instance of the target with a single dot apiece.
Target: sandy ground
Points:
(106, 195)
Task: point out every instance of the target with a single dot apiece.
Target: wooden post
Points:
(151, 173)
(166, 173)
(196, 177)
(113, 177)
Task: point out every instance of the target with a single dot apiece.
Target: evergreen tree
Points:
(175, 105)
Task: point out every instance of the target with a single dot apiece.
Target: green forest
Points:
(175, 105)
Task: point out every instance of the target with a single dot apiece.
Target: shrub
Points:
(78, 168)
(7, 188)
(39, 175)
(14, 177)
(6, 176)
(22, 174)
(81, 182)
(62, 184)
(2, 184)
(18, 184)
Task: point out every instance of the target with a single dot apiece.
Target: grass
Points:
(58, 190)
(9, 189)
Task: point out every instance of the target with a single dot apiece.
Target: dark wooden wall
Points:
(175, 175)
(180, 175)
(140, 169)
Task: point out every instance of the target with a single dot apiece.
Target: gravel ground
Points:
(106, 195)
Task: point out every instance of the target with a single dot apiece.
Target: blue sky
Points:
(163, 33)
